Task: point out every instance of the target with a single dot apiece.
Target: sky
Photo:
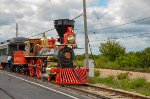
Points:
(126, 21)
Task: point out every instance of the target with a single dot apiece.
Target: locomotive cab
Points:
(32, 46)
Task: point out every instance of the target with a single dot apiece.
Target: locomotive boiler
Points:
(51, 58)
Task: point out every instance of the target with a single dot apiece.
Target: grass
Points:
(139, 85)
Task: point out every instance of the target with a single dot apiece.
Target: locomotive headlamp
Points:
(71, 38)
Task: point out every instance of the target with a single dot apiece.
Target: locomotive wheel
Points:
(39, 64)
(66, 57)
(38, 72)
(31, 69)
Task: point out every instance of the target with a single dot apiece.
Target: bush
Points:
(122, 76)
(103, 62)
(96, 72)
(138, 82)
(80, 57)
(128, 60)
(145, 58)
(110, 58)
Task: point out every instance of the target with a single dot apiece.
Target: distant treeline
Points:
(114, 55)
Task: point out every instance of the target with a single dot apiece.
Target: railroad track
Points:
(97, 92)
(106, 93)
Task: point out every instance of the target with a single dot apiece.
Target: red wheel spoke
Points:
(31, 69)
(38, 72)
(39, 64)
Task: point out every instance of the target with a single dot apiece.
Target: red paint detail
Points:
(19, 58)
(58, 40)
(38, 72)
(31, 69)
(51, 42)
(69, 31)
(49, 78)
(39, 63)
(68, 76)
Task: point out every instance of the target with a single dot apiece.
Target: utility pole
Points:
(16, 29)
(86, 35)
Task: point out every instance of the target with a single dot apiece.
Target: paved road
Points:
(13, 86)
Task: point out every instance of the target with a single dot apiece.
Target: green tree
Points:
(145, 57)
(128, 60)
(112, 49)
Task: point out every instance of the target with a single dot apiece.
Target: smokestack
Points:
(61, 26)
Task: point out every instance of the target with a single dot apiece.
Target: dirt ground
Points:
(108, 72)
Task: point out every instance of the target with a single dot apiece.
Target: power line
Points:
(94, 12)
(123, 37)
(78, 16)
(94, 31)
(121, 24)
(42, 32)
(101, 18)
(53, 28)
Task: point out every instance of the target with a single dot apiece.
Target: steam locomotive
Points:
(52, 58)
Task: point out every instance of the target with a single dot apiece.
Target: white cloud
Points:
(35, 16)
